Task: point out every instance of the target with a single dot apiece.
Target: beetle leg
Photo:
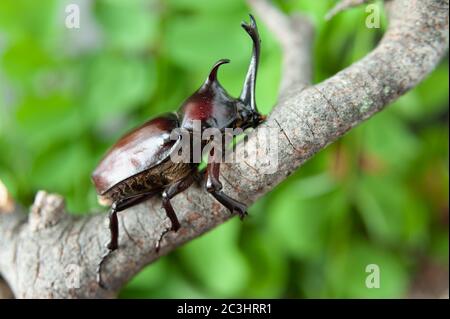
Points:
(116, 207)
(170, 192)
(199, 177)
(214, 186)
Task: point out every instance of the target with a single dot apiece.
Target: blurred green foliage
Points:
(379, 195)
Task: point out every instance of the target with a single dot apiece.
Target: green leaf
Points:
(128, 25)
(347, 273)
(117, 84)
(149, 279)
(196, 42)
(297, 216)
(269, 266)
(45, 121)
(206, 6)
(216, 262)
(391, 214)
(58, 170)
(22, 59)
(35, 20)
(387, 136)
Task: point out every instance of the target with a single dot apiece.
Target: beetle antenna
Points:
(248, 91)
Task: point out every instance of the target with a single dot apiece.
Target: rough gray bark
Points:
(38, 251)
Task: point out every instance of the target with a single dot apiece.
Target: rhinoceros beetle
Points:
(138, 166)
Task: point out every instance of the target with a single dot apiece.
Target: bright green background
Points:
(379, 195)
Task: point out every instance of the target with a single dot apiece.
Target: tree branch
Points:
(38, 254)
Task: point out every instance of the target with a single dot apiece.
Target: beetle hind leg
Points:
(112, 245)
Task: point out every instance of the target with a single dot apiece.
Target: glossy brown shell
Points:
(211, 106)
(137, 151)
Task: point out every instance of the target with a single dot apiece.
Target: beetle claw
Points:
(111, 246)
(240, 210)
(242, 215)
(158, 243)
(99, 269)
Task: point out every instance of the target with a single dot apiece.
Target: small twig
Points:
(344, 5)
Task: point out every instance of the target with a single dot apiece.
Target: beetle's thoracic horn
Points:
(248, 91)
(212, 77)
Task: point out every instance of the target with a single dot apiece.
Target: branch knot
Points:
(46, 211)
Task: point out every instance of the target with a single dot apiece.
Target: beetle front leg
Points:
(214, 186)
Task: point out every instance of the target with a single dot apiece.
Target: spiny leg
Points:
(116, 207)
(214, 186)
(170, 192)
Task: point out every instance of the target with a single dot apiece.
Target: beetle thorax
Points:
(212, 106)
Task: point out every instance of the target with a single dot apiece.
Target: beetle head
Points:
(249, 115)
(212, 103)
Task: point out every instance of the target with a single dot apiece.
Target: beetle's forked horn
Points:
(248, 91)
